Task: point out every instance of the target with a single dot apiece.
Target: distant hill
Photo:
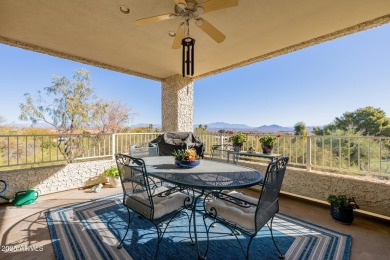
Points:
(273, 128)
(214, 127)
(246, 128)
(145, 125)
(223, 125)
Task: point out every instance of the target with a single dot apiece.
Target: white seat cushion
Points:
(245, 217)
(162, 205)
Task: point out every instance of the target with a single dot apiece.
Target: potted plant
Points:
(238, 141)
(186, 158)
(267, 143)
(113, 176)
(341, 208)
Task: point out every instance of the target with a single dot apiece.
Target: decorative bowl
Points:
(187, 164)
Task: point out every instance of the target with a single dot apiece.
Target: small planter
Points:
(343, 215)
(114, 181)
(237, 146)
(113, 176)
(267, 149)
(267, 143)
(187, 164)
(238, 141)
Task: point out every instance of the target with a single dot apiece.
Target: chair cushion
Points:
(245, 217)
(162, 205)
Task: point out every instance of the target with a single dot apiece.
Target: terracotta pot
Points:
(343, 215)
(267, 149)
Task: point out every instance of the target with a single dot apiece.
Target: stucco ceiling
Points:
(95, 32)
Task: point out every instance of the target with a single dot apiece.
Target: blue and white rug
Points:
(92, 230)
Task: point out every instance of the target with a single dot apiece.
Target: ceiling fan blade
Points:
(213, 5)
(210, 30)
(181, 3)
(180, 33)
(154, 19)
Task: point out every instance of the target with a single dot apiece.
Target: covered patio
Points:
(105, 34)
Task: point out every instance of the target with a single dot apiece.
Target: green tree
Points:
(2, 119)
(385, 131)
(201, 129)
(368, 120)
(70, 105)
(328, 129)
(300, 129)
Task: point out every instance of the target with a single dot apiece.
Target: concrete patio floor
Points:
(26, 226)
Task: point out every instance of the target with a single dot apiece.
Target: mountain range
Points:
(237, 127)
(242, 127)
(214, 127)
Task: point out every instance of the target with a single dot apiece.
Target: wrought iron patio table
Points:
(261, 155)
(208, 175)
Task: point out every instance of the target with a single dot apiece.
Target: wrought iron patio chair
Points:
(218, 150)
(143, 149)
(246, 214)
(157, 204)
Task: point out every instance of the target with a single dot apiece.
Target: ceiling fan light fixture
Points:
(189, 10)
(198, 21)
(199, 10)
(124, 9)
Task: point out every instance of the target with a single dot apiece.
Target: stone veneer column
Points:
(177, 104)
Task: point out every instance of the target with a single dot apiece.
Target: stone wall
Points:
(55, 178)
(372, 195)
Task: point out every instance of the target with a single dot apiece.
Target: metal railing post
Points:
(308, 153)
(113, 146)
(221, 143)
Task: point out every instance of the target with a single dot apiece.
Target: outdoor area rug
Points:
(92, 230)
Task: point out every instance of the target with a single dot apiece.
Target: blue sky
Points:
(313, 85)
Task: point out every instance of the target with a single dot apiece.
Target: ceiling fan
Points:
(190, 10)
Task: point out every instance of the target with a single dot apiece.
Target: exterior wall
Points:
(177, 104)
(371, 195)
(55, 178)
